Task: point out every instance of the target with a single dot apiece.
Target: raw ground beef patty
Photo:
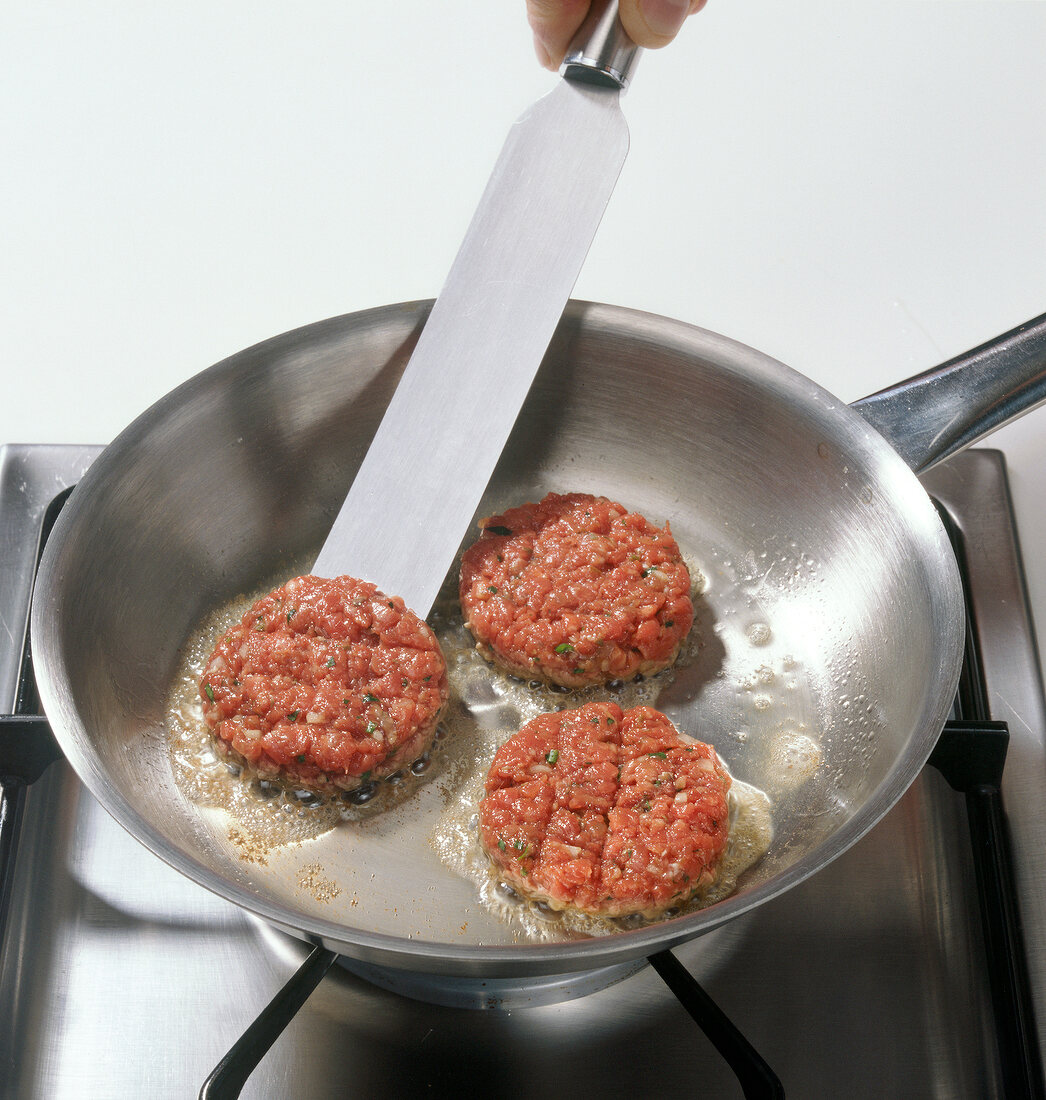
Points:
(325, 684)
(608, 811)
(576, 591)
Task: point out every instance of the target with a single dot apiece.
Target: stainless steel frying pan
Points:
(830, 630)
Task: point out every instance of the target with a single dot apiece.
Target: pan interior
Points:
(817, 667)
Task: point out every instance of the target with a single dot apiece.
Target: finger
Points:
(554, 23)
(654, 23)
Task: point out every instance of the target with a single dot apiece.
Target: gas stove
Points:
(880, 976)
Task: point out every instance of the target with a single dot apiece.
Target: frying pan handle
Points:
(602, 52)
(933, 415)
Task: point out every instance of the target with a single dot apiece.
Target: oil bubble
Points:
(758, 633)
(795, 756)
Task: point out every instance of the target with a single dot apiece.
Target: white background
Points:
(858, 189)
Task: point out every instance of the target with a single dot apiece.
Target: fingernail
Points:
(665, 16)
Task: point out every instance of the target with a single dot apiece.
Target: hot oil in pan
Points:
(486, 707)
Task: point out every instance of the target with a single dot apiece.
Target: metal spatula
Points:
(429, 463)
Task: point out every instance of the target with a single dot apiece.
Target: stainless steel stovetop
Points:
(120, 978)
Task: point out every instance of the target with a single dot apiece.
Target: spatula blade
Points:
(453, 409)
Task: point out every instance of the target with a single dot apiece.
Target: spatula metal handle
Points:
(602, 53)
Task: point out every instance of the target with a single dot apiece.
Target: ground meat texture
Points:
(607, 811)
(325, 684)
(576, 591)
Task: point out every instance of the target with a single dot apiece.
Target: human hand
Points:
(649, 23)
